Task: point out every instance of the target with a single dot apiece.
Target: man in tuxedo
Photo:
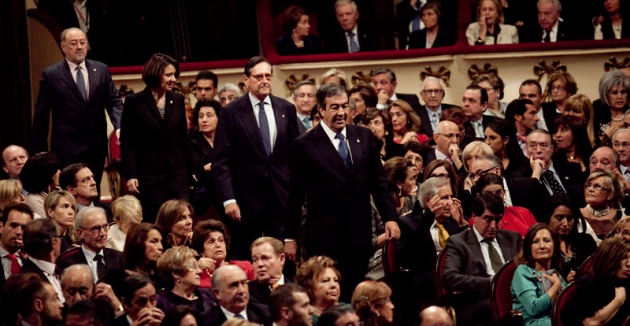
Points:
(76, 90)
(475, 101)
(304, 99)
(522, 114)
(336, 168)
(530, 89)
(289, 305)
(229, 284)
(251, 163)
(42, 244)
(206, 83)
(13, 159)
(384, 80)
(446, 139)
(12, 222)
(78, 179)
(524, 192)
(351, 37)
(432, 93)
(91, 227)
(268, 260)
(554, 171)
(475, 255)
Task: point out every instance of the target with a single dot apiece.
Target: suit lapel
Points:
(246, 112)
(328, 151)
(281, 120)
(66, 76)
(92, 75)
(356, 147)
(505, 247)
(153, 111)
(475, 248)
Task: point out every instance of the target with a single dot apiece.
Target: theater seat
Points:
(501, 297)
(585, 268)
(560, 303)
(390, 265)
(113, 168)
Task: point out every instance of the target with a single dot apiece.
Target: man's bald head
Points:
(13, 159)
(435, 316)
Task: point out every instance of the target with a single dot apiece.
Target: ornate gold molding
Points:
(442, 73)
(474, 71)
(542, 68)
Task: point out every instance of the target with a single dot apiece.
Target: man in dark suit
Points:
(289, 306)
(251, 164)
(384, 80)
(76, 90)
(530, 89)
(91, 227)
(268, 260)
(335, 168)
(550, 28)
(305, 102)
(12, 222)
(42, 244)
(79, 181)
(33, 299)
(475, 255)
(475, 102)
(555, 173)
(229, 284)
(432, 93)
(351, 37)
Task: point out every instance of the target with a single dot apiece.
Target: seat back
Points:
(440, 291)
(561, 302)
(585, 267)
(390, 265)
(500, 293)
(115, 179)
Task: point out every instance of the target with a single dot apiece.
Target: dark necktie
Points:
(81, 82)
(343, 150)
(553, 182)
(239, 316)
(307, 123)
(15, 266)
(495, 259)
(354, 47)
(547, 37)
(100, 266)
(264, 128)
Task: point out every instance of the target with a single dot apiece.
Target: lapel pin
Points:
(566, 177)
(171, 101)
(283, 116)
(358, 140)
(94, 69)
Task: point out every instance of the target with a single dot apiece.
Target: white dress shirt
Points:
(484, 251)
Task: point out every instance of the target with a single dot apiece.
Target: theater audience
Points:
(600, 295)
(289, 306)
(10, 192)
(381, 126)
(609, 25)
(39, 176)
(61, 208)
(33, 301)
(362, 96)
(349, 36)
(447, 136)
(78, 179)
(372, 302)
(501, 137)
(435, 316)
(334, 75)
(13, 159)
(182, 316)
(228, 93)
(401, 175)
(536, 282)
(613, 104)
(603, 193)
(432, 93)
(560, 87)
(127, 213)
(319, 276)
(206, 83)
(431, 36)
(580, 106)
(622, 228)
(203, 196)
(212, 240)
(175, 217)
(297, 38)
(474, 150)
(572, 143)
(489, 27)
(443, 170)
(77, 283)
(405, 123)
(180, 271)
(268, 259)
(494, 86)
(143, 248)
(12, 221)
(138, 296)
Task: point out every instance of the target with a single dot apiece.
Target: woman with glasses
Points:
(442, 169)
(560, 87)
(61, 207)
(603, 193)
(575, 245)
(494, 86)
(154, 143)
(501, 137)
(379, 123)
(515, 218)
(613, 107)
(180, 271)
(405, 123)
(473, 150)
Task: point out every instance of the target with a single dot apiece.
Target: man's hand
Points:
(207, 263)
(133, 186)
(149, 317)
(383, 97)
(104, 290)
(457, 212)
(233, 212)
(435, 206)
(290, 249)
(392, 230)
(537, 167)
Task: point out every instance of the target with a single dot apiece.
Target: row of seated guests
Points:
(427, 24)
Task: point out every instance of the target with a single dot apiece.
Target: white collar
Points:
(229, 315)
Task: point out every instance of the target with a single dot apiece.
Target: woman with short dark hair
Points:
(154, 138)
(296, 39)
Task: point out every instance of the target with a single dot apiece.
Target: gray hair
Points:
(340, 3)
(383, 70)
(300, 84)
(621, 130)
(231, 88)
(78, 268)
(78, 220)
(431, 78)
(429, 188)
(68, 30)
(609, 80)
(556, 4)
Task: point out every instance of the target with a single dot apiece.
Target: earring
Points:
(399, 191)
(178, 280)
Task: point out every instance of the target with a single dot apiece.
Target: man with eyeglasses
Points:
(530, 89)
(475, 255)
(78, 179)
(558, 176)
(432, 93)
(91, 227)
(251, 162)
(522, 114)
(446, 139)
(621, 145)
(475, 101)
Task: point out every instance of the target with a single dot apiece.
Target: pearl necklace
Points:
(618, 119)
(597, 213)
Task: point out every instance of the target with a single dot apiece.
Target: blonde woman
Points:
(61, 207)
(127, 213)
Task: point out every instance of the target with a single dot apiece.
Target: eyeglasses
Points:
(432, 91)
(595, 186)
(192, 267)
(480, 174)
(558, 88)
(261, 76)
(451, 136)
(97, 229)
(532, 146)
(440, 175)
